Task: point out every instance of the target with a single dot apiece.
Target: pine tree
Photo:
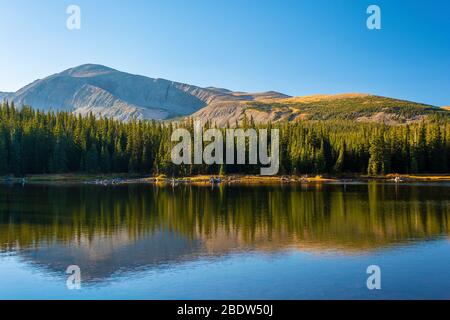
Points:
(59, 158)
(15, 153)
(3, 151)
(436, 159)
(376, 161)
(105, 160)
(340, 162)
(222, 170)
(92, 159)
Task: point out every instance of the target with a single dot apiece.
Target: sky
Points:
(295, 47)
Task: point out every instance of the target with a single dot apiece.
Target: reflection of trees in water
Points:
(322, 216)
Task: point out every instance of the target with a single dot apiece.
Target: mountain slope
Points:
(111, 93)
(356, 107)
(108, 92)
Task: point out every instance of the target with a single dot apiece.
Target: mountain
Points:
(3, 94)
(446, 108)
(111, 93)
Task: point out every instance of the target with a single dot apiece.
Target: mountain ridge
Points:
(107, 92)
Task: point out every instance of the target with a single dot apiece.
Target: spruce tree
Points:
(92, 159)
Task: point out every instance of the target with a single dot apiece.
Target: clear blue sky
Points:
(296, 47)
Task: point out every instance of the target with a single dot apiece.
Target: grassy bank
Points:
(106, 179)
(67, 178)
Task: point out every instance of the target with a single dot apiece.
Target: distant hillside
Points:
(357, 107)
(3, 95)
(446, 108)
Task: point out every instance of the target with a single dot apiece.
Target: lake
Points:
(312, 241)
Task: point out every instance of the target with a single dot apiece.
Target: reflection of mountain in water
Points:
(106, 230)
(101, 256)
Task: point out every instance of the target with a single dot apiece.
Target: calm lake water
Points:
(227, 242)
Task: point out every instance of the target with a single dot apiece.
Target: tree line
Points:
(36, 142)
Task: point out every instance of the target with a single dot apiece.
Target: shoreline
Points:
(120, 179)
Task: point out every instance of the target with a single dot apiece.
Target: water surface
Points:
(227, 242)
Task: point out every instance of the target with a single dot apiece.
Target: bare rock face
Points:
(108, 92)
